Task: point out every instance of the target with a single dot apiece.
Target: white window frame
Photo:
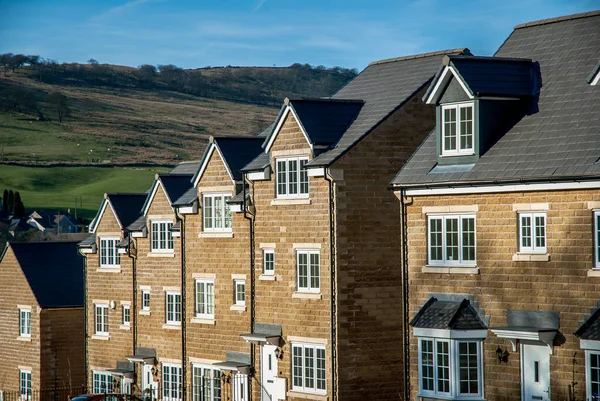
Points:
(225, 210)
(596, 225)
(284, 186)
(157, 243)
(171, 390)
(144, 306)
(208, 299)
(533, 236)
(461, 249)
(239, 292)
(458, 151)
(216, 393)
(101, 320)
(126, 385)
(25, 322)
(309, 273)
(108, 261)
(305, 387)
(173, 316)
(269, 270)
(126, 311)
(25, 377)
(97, 378)
(453, 368)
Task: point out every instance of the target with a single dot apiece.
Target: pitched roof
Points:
(128, 207)
(186, 168)
(559, 140)
(54, 271)
(448, 315)
(384, 86)
(187, 198)
(258, 163)
(238, 151)
(176, 185)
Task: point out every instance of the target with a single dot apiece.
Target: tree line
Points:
(259, 85)
(12, 203)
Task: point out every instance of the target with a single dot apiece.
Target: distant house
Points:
(41, 318)
(53, 222)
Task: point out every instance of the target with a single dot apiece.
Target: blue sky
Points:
(198, 33)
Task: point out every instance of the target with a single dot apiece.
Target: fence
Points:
(51, 394)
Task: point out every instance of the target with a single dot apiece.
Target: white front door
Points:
(535, 369)
(240, 387)
(149, 386)
(268, 371)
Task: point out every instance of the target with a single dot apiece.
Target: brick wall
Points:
(218, 258)
(368, 254)
(560, 284)
(62, 348)
(283, 226)
(14, 352)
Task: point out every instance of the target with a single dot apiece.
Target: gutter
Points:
(332, 279)
(250, 219)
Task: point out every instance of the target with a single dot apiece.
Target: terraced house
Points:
(500, 222)
(42, 321)
(326, 287)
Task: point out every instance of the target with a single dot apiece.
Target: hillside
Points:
(122, 115)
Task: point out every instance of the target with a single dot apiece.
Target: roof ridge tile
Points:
(558, 19)
(459, 50)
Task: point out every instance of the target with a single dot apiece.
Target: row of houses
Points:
(282, 266)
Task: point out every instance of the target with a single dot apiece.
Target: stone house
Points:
(41, 319)
(500, 222)
(325, 285)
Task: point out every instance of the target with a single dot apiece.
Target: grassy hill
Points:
(123, 116)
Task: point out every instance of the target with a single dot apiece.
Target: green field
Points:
(73, 187)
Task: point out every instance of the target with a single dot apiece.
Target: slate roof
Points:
(186, 168)
(590, 328)
(384, 86)
(128, 207)
(176, 185)
(54, 271)
(238, 151)
(559, 141)
(494, 76)
(187, 198)
(138, 225)
(448, 315)
(258, 163)
(325, 120)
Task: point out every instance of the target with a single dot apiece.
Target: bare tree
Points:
(58, 102)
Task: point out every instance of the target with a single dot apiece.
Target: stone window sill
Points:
(99, 337)
(27, 339)
(125, 327)
(531, 257)
(294, 201)
(306, 295)
(307, 396)
(593, 273)
(209, 234)
(239, 308)
(450, 269)
(201, 320)
(267, 277)
(170, 326)
(145, 312)
(108, 270)
(161, 254)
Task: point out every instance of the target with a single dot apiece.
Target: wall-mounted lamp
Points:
(278, 353)
(502, 355)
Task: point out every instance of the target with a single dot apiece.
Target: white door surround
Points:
(535, 372)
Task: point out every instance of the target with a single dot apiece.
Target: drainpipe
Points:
(250, 219)
(85, 322)
(133, 311)
(183, 307)
(333, 278)
(404, 273)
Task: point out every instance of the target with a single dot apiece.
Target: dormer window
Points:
(457, 129)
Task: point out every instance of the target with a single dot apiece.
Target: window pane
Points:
(595, 375)
(450, 129)
(219, 211)
(427, 365)
(302, 270)
(309, 378)
(443, 367)
(468, 368)
(297, 366)
(466, 128)
(303, 177)
(435, 239)
(227, 211)
(208, 212)
(452, 239)
(468, 238)
(210, 298)
(281, 178)
(293, 177)
(540, 231)
(526, 231)
(200, 294)
(314, 270)
(320, 369)
(269, 261)
(598, 238)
